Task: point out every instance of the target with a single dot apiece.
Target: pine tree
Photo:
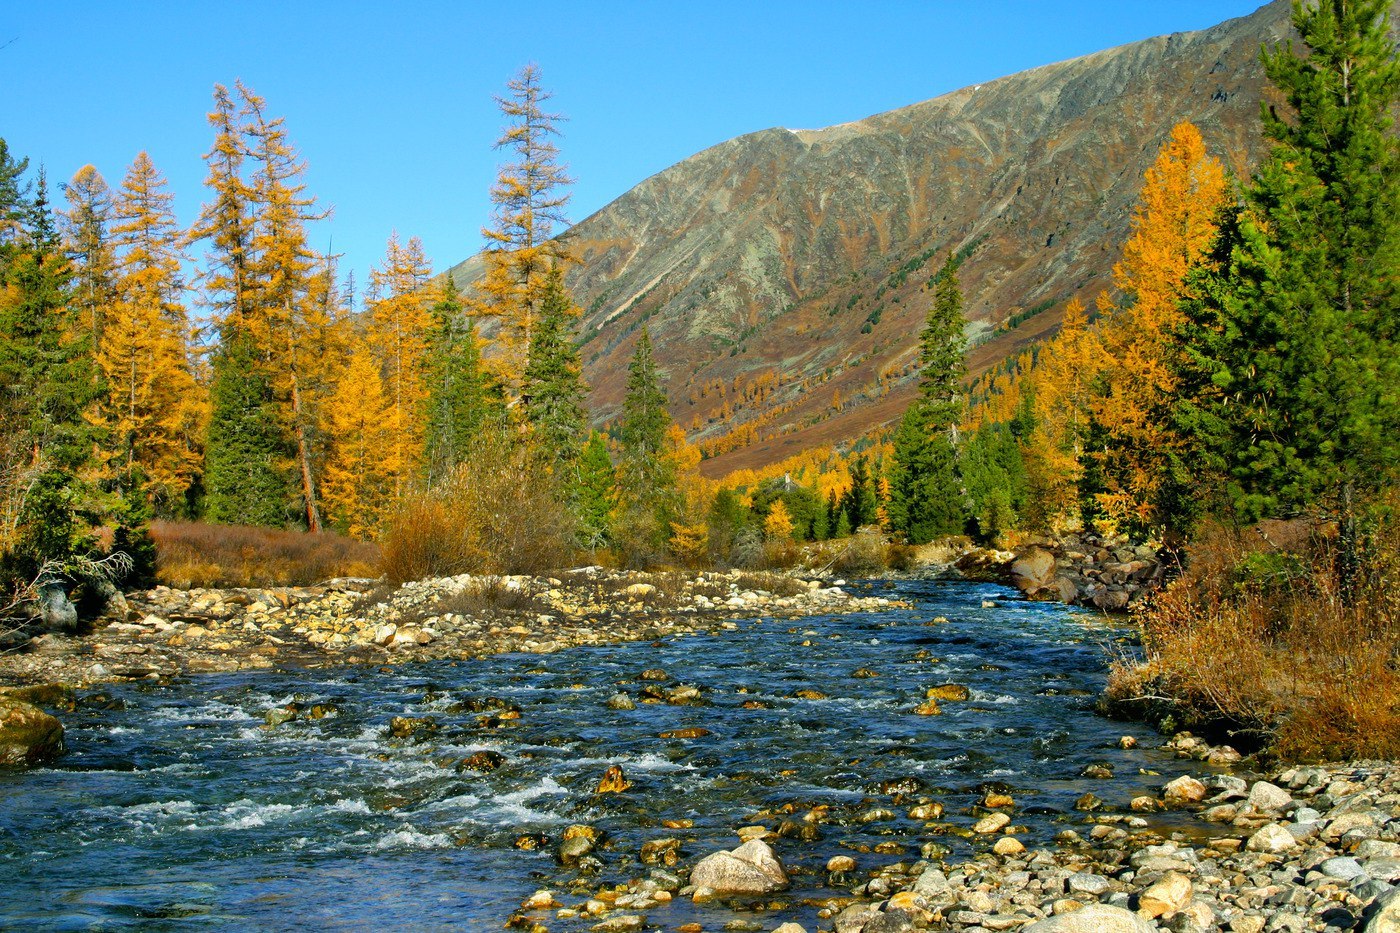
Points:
(1293, 378)
(399, 328)
(926, 499)
(152, 408)
(553, 390)
(460, 400)
(529, 199)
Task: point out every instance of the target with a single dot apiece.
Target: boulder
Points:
(1096, 918)
(1266, 796)
(750, 869)
(55, 608)
(1033, 570)
(1271, 839)
(1183, 790)
(28, 735)
(1168, 896)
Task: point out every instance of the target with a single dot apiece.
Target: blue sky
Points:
(391, 104)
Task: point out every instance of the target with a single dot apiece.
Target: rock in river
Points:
(28, 735)
(1096, 918)
(750, 869)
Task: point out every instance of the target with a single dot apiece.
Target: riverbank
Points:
(1303, 849)
(173, 633)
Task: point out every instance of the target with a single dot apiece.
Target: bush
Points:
(863, 554)
(500, 512)
(1269, 639)
(190, 554)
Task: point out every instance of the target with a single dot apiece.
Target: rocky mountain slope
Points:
(784, 274)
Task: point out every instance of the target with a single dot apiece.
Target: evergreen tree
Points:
(647, 475)
(1293, 377)
(244, 465)
(87, 239)
(926, 499)
(994, 475)
(552, 389)
(458, 398)
(594, 493)
(860, 504)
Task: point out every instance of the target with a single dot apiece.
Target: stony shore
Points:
(1302, 849)
(170, 633)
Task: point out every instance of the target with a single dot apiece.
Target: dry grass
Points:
(500, 512)
(1261, 634)
(190, 554)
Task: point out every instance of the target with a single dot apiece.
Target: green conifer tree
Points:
(552, 389)
(647, 484)
(926, 498)
(1292, 379)
(245, 466)
(459, 402)
(594, 493)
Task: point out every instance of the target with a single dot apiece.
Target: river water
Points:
(183, 811)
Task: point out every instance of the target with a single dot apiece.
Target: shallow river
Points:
(182, 811)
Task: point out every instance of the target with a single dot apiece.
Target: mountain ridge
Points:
(783, 274)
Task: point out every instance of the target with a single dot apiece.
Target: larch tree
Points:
(152, 409)
(284, 267)
(926, 498)
(1173, 227)
(530, 197)
(552, 390)
(358, 487)
(400, 323)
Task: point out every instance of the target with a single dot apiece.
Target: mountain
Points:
(784, 274)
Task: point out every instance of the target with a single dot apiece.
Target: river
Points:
(181, 810)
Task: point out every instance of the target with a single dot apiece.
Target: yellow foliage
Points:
(398, 333)
(778, 525)
(358, 483)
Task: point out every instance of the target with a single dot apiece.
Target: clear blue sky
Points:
(391, 104)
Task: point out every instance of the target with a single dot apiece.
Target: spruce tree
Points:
(647, 474)
(458, 402)
(926, 498)
(594, 493)
(1293, 378)
(245, 460)
(552, 389)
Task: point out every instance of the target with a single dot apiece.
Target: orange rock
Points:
(614, 781)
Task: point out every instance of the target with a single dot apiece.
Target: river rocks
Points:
(750, 869)
(661, 852)
(991, 823)
(928, 708)
(621, 702)
(1168, 896)
(689, 732)
(613, 781)
(1096, 918)
(403, 727)
(482, 762)
(28, 735)
(1272, 839)
(1033, 569)
(1385, 916)
(1184, 790)
(578, 842)
(1265, 797)
(1085, 569)
(168, 632)
(951, 692)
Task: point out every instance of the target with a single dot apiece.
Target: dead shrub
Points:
(863, 554)
(1271, 639)
(193, 554)
(500, 512)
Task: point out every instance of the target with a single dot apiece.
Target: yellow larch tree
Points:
(399, 321)
(284, 269)
(154, 408)
(529, 199)
(358, 484)
(1173, 227)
